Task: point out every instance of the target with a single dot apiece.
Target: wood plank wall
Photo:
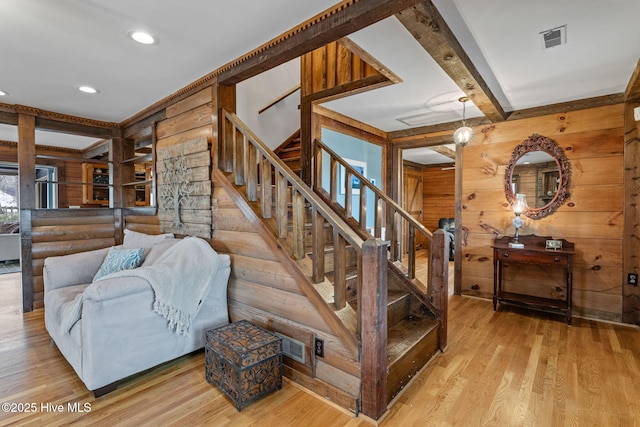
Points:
(260, 287)
(438, 196)
(332, 66)
(592, 217)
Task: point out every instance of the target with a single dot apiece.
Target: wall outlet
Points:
(319, 347)
(632, 279)
(636, 114)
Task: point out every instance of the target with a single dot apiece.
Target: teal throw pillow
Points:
(120, 259)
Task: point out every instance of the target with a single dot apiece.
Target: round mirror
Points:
(539, 169)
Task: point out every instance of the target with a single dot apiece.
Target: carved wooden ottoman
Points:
(244, 361)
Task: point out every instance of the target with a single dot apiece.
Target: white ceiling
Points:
(49, 48)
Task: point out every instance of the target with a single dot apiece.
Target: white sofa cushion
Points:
(135, 239)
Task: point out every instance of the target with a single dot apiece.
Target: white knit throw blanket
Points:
(180, 278)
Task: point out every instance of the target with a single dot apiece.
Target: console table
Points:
(534, 252)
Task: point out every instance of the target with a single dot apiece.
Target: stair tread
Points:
(404, 334)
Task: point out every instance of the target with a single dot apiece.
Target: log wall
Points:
(57, 232)
(592, 218)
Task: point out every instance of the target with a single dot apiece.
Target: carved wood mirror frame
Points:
(540, 143)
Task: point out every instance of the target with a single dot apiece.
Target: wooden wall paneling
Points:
(631, 246)
(592, 216)
(438, 195)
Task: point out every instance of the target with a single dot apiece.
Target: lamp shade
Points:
(462, 136)
(520, 204)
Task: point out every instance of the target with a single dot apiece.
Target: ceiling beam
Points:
(561, 107)
(445, 151)
(339, 21)
(429, 28)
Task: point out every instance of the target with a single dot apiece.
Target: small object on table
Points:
(244, 361)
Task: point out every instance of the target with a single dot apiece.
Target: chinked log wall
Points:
(592, 218)
(260, 287)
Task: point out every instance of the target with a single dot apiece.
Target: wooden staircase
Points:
(412, 330)
(289, 153)
(348, 275)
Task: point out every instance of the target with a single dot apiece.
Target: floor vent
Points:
(291, 348)
(554, 37)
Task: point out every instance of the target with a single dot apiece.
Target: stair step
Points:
(411, 343)
(397, 307)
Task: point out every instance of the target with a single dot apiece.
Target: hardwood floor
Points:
(511, 367)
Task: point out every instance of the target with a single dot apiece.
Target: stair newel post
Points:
(373, 320)
(439, 280)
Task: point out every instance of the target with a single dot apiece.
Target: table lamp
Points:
(518, 207)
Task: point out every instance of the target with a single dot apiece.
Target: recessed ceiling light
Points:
(87, 89)
(3, 93)
(142, 37)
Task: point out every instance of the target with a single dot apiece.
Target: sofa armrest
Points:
(74, 269)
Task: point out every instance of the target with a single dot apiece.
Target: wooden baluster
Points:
(374, 327)
(348, 194)
(411, 253)
(339, 270)
(378, 216)
(252, 173)
(333, 180)
(317, 239)
(267, 190)
(238, 156)
(392, 235)
(363, 207)
(298, 224)
(317, 164)
(281, 205)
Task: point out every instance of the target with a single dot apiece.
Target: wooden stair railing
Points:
(290, 211)
(386, 212)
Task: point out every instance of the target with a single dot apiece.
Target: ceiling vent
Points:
(554, 37)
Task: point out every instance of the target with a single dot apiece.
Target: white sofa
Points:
(118, 333)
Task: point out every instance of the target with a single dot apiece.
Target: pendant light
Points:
(462, 136)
